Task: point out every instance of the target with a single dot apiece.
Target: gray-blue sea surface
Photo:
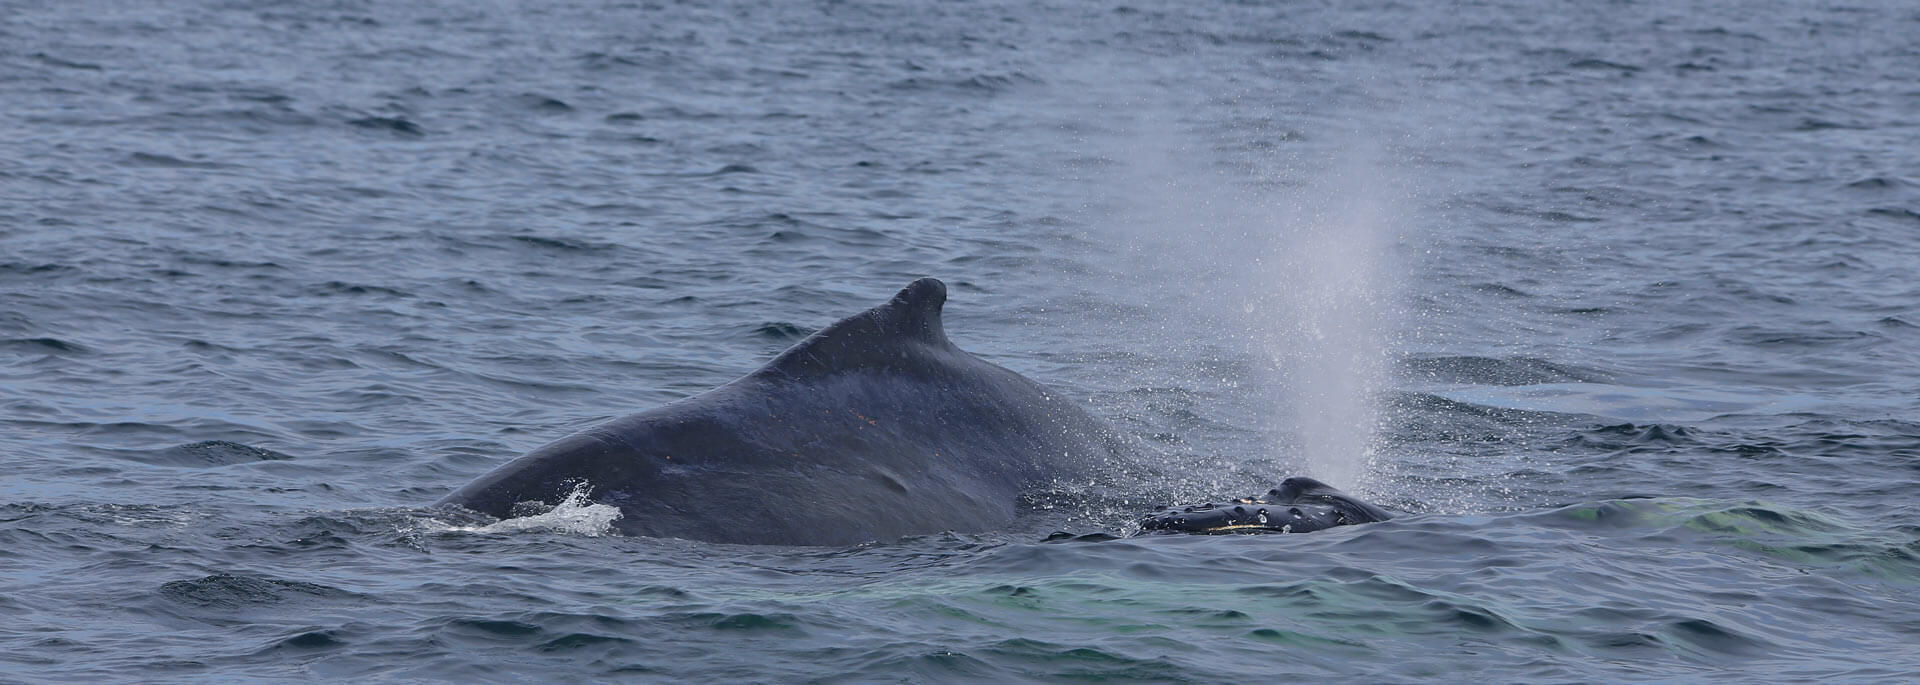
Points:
(1614, 300)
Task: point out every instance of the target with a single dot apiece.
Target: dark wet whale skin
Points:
(1299, 505)
(873, 428)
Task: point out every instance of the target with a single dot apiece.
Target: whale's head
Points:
(1299, 505)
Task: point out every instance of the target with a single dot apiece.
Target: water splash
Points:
(1320, 309)
(1279, 260)
(576, 514)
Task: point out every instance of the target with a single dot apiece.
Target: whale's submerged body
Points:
(873, 428)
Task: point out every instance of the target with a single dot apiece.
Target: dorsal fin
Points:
(887, 335)
(915, 311)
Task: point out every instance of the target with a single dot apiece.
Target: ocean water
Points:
(1614, 301)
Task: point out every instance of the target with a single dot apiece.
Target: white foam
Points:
(574, 515)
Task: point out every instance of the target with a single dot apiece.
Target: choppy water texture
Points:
(1616, 300)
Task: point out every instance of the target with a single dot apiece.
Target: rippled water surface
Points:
(1615, 301)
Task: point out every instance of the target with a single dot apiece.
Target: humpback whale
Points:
(1299, 505)
(873, 428)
